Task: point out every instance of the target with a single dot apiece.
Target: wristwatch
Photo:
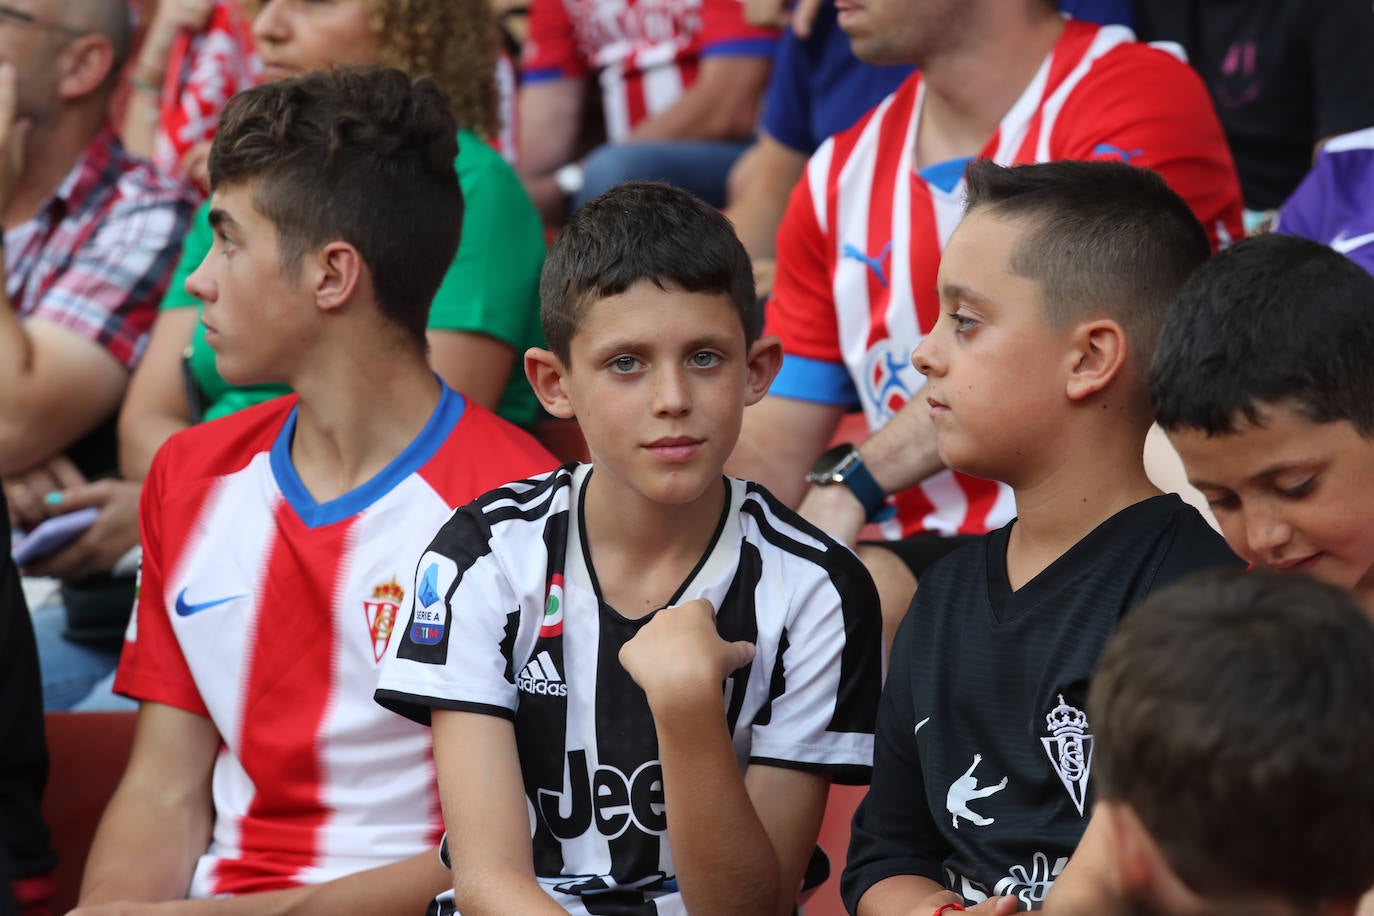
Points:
(844, 465)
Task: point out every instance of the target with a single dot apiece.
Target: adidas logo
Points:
(541, 677)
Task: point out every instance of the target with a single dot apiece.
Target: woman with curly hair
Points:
(485, 315)
(486, 312)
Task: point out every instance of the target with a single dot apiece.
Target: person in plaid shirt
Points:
(90, 238)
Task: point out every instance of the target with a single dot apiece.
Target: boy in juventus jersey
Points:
(1053, 290)
(642, 676)
(276, 541)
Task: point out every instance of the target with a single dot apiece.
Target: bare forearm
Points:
(702, 112)
(399, 889)
(763, 192)
(903, 453)
(905, 894)
(146, 848)
(724, 858)
(496, 892)
(139, 133)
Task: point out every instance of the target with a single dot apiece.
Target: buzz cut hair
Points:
(1233, 713)
(1103, 239)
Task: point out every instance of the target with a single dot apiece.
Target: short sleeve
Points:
(893, 831)
(724, 31)
(787, 104)
(1172, 129)
(460, 618)
(195, 246)
(152, 666)
(801, 311)
(551, 50)
(826, 676)
(492, 287)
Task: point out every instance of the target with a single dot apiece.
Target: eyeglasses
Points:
(9, 14)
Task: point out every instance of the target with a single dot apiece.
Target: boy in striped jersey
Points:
(275, 540)
(642, 676)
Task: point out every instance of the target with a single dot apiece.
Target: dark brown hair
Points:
(359, 155)
(1234, 714)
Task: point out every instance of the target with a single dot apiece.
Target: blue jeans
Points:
(699, 166)
(75, 676)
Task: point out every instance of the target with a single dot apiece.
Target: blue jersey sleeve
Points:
(814, 380)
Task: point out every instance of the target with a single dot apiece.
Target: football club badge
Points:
(1070, 749)
(553, 609)
(380, 613)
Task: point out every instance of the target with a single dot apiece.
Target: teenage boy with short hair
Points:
(1053, 289)
(275, 540)
(1234, 728)
(1263, 382)
(569, 636)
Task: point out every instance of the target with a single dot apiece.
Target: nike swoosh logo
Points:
(922, 722)
(186, 610)
(1345, 246)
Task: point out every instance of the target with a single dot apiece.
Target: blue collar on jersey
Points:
(415, 455)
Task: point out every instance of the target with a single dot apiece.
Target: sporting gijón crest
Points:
(381, 614)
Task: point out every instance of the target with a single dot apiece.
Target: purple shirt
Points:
(1334, 204)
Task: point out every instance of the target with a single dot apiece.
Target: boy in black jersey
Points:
(642, 676)
(1054, 285)
(1264, 382)
(1235, 725)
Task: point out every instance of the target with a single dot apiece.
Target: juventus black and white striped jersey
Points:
(506, 619)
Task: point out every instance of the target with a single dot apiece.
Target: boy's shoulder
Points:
(222, 446)
(780, 530)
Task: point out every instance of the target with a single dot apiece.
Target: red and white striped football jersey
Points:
(269, 613)
(859, 246)
(645, 52)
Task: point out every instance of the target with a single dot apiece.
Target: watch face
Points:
(829, 467)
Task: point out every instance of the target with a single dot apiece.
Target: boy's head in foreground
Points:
(1234, 734)
(328, 188)
(1054, 288)
(647, 301)
(1264, 382)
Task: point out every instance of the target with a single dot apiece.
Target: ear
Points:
(765, 359)
(547, 377)
(84, 64)
(338, 273)
(1131, 860)
(1099, 355)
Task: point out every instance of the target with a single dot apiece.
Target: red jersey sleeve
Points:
(1144, 106)
(151, 666)
(724, 31)
(551, 51)
(801, 311)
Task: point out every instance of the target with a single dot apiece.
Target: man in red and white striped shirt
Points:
(669, 71)
(860, 244)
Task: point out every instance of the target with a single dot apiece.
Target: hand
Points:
(113, 534)
(997, 905)
(31, 494)
(774, 14)
(679, 655)
(118, 908)
(174, 15)
(835, 510)
(195, 165)
(764, 271)
(14, 134)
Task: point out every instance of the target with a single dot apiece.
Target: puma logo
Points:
(964, 790)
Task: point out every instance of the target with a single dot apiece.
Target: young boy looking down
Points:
(655, 670)
(1264, 382)
(1235, 725)
(1053, 288)
(276, 541)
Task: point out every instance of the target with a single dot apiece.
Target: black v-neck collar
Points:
(581, 496)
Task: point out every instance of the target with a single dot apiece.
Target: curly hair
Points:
(455, 42)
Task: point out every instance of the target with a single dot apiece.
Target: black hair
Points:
(642, 230)
(1273, 319)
